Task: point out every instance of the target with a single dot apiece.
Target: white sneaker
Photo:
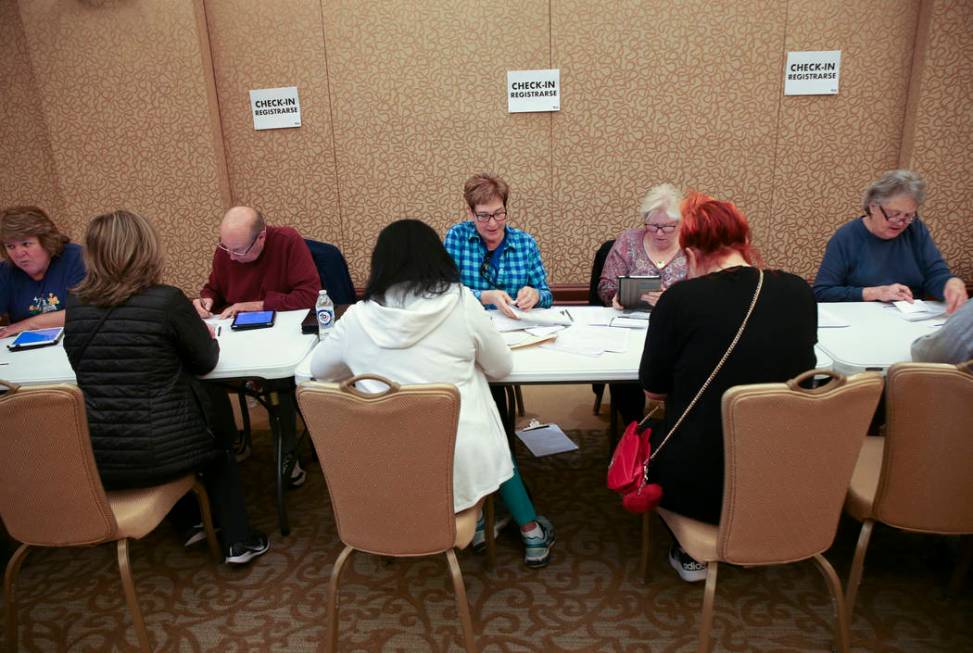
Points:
(479, 536)
(688, 568)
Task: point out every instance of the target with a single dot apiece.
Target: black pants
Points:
(629, 400)
(221, 476)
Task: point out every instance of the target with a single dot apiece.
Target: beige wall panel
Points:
(832, 146)
(125, 96)
(419, 105)
(685, 92)
(288, 173)
(942, 140)
(27, 174)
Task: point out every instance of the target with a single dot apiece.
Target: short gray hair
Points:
(892, 183)
(664, 197)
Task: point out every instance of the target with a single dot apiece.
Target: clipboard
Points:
(632, 287)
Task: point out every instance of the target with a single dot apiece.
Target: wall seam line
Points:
(780, 110)
(334, 146)
(221, 146)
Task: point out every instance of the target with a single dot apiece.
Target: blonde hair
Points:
(123, 256)
(665, 198)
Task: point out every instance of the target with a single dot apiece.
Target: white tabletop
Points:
(539, 364)
(259, 353)
(875, 338)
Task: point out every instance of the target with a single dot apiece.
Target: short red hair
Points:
(713, 229)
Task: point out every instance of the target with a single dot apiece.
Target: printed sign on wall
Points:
(275, 108)
(533, 90)
(812, 73)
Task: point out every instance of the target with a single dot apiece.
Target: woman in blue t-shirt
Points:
(887, 254)
(38, 267)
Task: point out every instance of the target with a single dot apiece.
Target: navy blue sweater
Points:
(856, 259)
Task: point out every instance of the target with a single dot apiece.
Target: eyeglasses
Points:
(237, 252)
(664, 228)
(499, 215)
(900, 217)
(487, 271)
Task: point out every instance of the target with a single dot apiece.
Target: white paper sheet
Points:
(629, 323)
(545, 440)
(918, 310)
(532, 318)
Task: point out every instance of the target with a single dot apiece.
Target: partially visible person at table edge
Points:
(691, 328)
(136, 346)
(39, 266)
(500, 264)
(887, 254)
(419, 324)
(652, 249)
(953, 343)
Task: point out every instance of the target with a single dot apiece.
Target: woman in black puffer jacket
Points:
(136, 347)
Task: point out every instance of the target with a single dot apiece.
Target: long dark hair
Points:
(409, 252)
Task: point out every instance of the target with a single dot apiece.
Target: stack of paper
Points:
(538, 317)
(918, 310)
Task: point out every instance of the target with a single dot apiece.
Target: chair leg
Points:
(709, 596)
(841, 611)
(599, 390)
(646, 546)
(128, 584)
(462, 605)
(339, 564)
(204, 510)
(963, 566)
(519, 398)
(10, 577)
(489, 519)
(244, 415)
(857, 566)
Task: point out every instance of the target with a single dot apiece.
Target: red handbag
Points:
(628, 468)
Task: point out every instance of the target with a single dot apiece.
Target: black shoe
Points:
(195, 534)
(243, 552)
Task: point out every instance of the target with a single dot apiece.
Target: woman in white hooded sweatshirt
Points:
(418, 324)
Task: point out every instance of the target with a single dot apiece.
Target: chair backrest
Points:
(596, 268)
(789, 456)
(50, 492)
(333, 271)
(926, 482)
(388, 461)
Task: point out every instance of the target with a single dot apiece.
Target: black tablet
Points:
(38, 338)
(253, 320)
(631, 288)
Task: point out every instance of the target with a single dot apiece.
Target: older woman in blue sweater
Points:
(887, 254)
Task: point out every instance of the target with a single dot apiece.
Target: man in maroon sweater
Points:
(257, 267)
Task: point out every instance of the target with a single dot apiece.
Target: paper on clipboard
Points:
(545, 439)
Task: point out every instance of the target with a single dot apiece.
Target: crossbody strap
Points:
(91, 336)
(716, 370)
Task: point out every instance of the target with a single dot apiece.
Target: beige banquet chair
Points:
(51, 494)
(789, 454)
(918, 477)
(387, 458)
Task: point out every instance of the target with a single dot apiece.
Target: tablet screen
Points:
(631, 289)
(253, 319)
(37, 338)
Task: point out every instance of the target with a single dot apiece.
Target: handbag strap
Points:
(716, 370)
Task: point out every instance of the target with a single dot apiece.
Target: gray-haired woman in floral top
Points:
(652, 249)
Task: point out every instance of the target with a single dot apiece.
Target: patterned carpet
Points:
(588, 599)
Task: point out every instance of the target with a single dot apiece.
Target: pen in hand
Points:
(219, 330)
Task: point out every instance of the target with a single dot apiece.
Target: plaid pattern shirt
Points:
(520, 264)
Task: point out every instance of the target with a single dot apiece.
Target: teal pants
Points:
(514, 496)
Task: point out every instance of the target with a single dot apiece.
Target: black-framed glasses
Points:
(236, 252)
(499, 215)
(900, 217)
(487, 271)
(664, 228)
